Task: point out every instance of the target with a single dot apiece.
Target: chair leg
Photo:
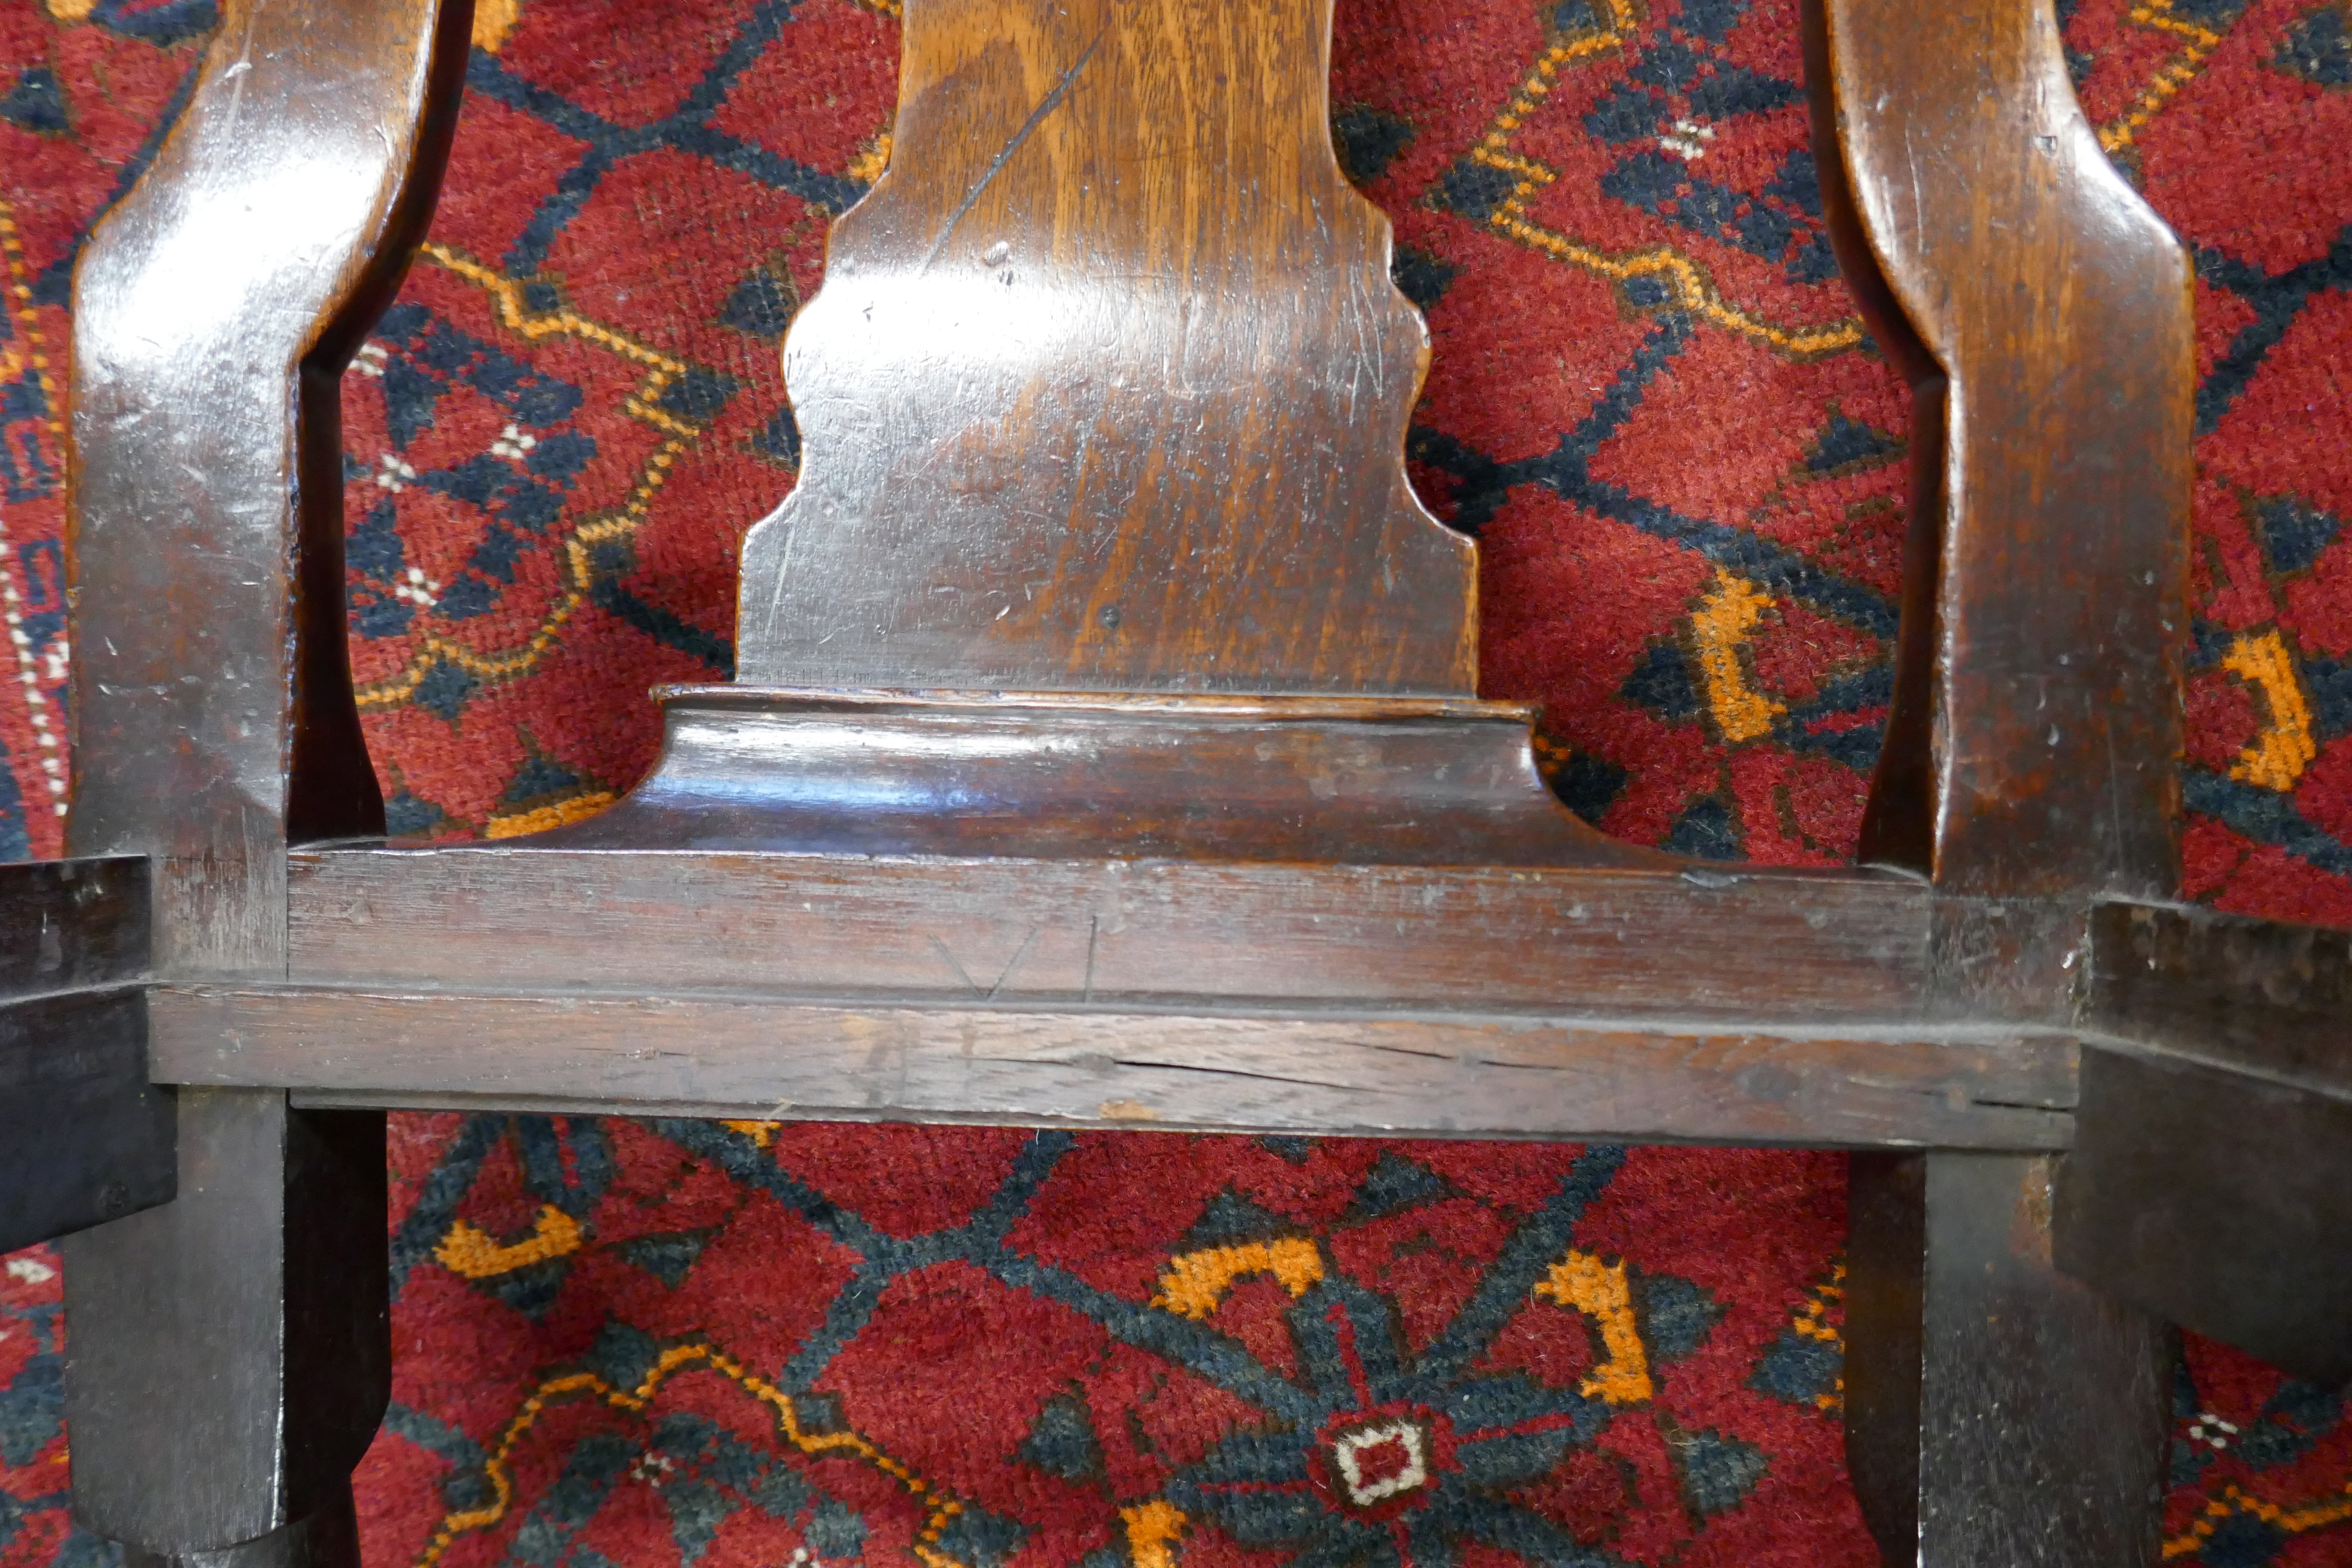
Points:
(228, 1354)
(1998, 1414)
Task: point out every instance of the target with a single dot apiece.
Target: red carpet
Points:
(641, 1344)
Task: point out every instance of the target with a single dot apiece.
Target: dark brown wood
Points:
(1898, 822)
(2039, 756)
(1885, 1316)
(231, 1351)
(1755, 944)
(2015, 960)
(2041, 314)
(2260, 997)
(1457, 1077)
(2215, 1179)
(328, 1538)
(213, 716)
(66, 925)
(84, 1136)
(1106, 385)
(2220, 1199)
(2020, 1420)
(229, 1359)
(1047, 776)
(1105, 393)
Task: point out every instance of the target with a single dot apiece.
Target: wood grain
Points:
(1106, 385)
(1445, 1077)
(2036, 743)
(230, 1350)
(2000, 1414)
(213, 712)
(1897, 818)
(1757, 945)
(2267, 998)
(1106, 394)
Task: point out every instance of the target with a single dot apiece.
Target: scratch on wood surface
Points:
(1046, 106)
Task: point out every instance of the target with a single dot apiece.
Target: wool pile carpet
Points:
(640, 1343)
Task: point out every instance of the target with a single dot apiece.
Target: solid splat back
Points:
(1107, 386)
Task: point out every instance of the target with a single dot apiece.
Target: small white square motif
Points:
(1372, 1474)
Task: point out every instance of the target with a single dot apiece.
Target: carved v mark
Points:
(965, 976)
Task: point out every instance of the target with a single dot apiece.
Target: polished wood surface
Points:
(1458, 1076)
(2035, 745)
(1106, 394)
(1106, 385)
(230, 1354)
(1998, 1414)
(215, 306)
(1049, 777)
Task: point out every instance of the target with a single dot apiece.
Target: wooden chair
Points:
(1107, 752)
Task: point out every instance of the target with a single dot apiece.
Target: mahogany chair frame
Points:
(2078, 1109)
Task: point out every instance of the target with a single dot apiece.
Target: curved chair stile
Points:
(231, 1351)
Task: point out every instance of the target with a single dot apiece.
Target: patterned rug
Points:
(635, 1344)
